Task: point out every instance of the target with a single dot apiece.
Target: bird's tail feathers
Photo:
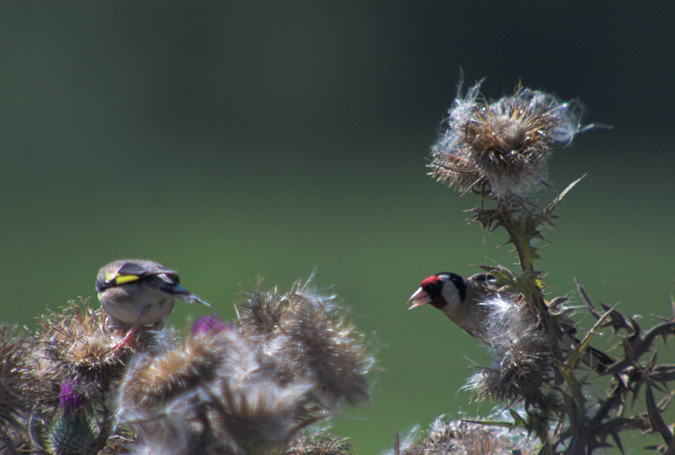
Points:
(187, 296)
(191, 298)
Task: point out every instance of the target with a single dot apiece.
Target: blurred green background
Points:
(233, 141)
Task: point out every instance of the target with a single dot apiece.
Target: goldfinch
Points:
(463, 300)
(137, 292)
(458, 298)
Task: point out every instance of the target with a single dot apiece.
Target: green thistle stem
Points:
(521, 232)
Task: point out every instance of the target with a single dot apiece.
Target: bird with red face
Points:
(469, 303)
(458, 298)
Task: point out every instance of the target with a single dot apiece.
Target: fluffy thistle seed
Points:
(260, 414)
(20, 385)
(76, 344)
(307, 335)
(521, 354)
(166, 436)
(501, 149)
(154, 379)
(316, 443)
(464, 437)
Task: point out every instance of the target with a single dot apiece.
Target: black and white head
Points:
(445, 291)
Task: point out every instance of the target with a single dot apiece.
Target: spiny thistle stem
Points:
(499, 150)
(521, 242)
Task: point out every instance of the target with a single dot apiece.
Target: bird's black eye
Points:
(434, 287)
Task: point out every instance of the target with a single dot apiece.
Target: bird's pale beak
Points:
(419, 298)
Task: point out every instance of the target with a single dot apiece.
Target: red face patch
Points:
(430, 280)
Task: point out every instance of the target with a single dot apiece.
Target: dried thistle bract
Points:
(522, 354)
(20, 384)
(501, 148)
(77, 344)
(306, 334)
(467, 437)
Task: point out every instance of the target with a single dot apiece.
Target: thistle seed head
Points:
(20, 384)
(521, 354)
(153, 380)
(501, 149)
(306, 335)
(319, 443)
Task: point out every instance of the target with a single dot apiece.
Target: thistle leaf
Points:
(518, 420)
(550, 208)
(656, 419)
(579, 350)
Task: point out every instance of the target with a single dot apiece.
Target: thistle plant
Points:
(264, 383)
(466, 436)
(73, 430)
(257, 385)
(499, 151)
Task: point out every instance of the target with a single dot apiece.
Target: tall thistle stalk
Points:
(499, 151)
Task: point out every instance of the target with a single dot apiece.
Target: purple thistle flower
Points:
(71, 401)
(209, 324)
